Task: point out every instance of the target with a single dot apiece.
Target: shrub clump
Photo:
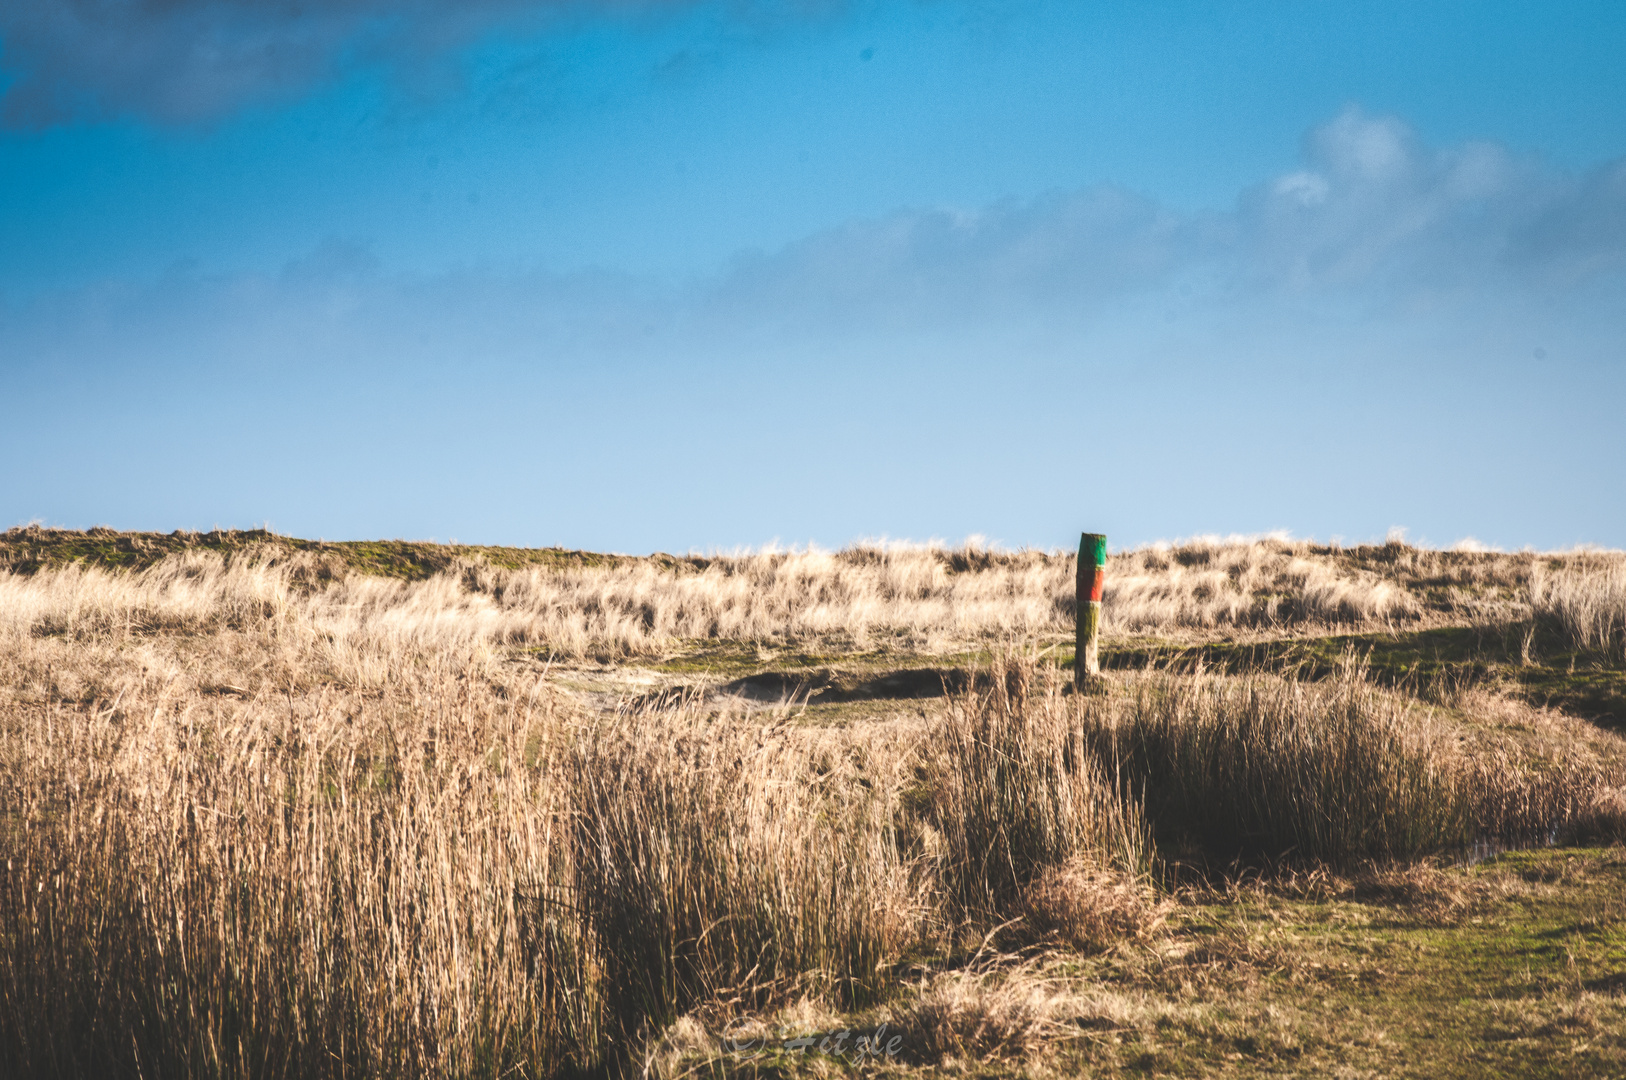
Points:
(1262, 766)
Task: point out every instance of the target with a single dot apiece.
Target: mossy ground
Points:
(1514, 967)
(26, 550)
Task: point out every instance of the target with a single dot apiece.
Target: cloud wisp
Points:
(1373, 212)
(1374, 221)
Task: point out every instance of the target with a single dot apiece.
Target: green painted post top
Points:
(1092, 549)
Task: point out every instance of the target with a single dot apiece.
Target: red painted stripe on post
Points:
(1098, 583)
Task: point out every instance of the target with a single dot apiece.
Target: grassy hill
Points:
(278, 807)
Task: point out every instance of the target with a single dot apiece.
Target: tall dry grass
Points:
(1339, 772)
(332, 883)
(1336, 771)
(1583, 600)
(263, 818)
(442, 872)
(1012, 790)
(1207, 583)
(919, 598)
(725, 864)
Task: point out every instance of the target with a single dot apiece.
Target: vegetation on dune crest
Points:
(930, 599)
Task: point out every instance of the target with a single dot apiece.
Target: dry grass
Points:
(1599, 1018)
(1263, 766)
(224, 858)
(1340, 771)
(918, 597)
(1584, 600)
(447, 875)
(1042, 1012)
(332, 883)
(1010, 788)
(1085, 908)
(1011, 1012)
(268, 817)
(1263, 583)
(724, 864)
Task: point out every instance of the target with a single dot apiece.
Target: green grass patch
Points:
(1538, 666)
(29, 550)
(1511, 968)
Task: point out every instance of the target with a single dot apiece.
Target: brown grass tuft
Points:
(1010, 1013)
(1583, 598)
(1083, 907)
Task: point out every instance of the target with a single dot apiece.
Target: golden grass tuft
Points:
(981, 1015)
(1089, 909)
(324, 884)
(1584, 599)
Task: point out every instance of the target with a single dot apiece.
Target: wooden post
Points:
(1092, 568)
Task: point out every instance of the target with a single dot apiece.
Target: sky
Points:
(678, 275)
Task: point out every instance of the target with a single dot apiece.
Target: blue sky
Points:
(641, 276)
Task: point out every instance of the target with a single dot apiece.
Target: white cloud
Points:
(1376, 150)
(1373, 213)
(1307, 188)
(1055, 250)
